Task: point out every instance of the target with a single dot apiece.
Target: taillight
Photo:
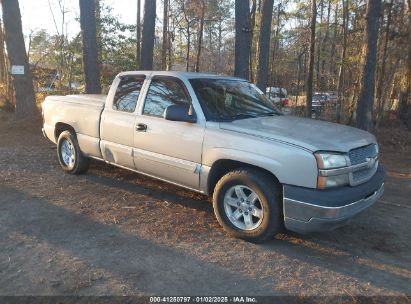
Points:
(285, 102)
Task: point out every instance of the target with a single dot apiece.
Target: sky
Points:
(36, 14)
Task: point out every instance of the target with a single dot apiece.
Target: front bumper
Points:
(307, 210)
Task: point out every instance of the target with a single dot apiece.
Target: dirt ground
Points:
(113, 232)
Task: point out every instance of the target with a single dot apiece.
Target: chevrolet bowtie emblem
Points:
(371, 162)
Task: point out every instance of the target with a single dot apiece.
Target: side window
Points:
(127, 93)
(163, 93)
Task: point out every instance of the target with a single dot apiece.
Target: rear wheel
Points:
(247, 204)
(69, 154)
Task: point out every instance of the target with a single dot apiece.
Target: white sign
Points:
(17, 69)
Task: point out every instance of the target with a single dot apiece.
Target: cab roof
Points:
(178, 74)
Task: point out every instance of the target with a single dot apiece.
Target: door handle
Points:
(141, 127)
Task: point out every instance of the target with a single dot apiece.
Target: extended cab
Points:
(222, 137)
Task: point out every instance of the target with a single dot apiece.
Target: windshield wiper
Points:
(243, 116)
(270, 114)
(247, 116)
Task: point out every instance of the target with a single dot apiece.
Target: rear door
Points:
(165, 149)
(118, 119)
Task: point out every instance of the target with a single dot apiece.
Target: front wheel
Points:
(69, 154)
(247, 205)
(314, 114)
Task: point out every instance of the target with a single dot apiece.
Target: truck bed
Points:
(82, 112)
(93, 100)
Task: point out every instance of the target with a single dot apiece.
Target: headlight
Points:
(326, 160)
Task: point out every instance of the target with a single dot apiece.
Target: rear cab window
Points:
(127, 93)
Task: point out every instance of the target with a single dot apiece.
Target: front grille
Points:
(361, 174)
(359, 156)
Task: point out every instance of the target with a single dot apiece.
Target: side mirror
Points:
(183, 113)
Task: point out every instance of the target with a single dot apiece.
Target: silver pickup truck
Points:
(221, 136)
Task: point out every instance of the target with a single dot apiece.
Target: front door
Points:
(165, 149)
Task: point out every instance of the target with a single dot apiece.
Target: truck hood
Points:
(310, 134)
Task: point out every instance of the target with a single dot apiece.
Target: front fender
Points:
(291, 165)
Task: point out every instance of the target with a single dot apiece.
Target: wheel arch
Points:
(60, 127)
(222, 166)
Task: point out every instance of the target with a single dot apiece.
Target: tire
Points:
(315, 114)
(69, 154)
(265, 211)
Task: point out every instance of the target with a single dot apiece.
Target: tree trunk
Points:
(212, 62)
(309, 93)
(264, 44)
(382, 76)
(252, 17)
(138, 35)
(242, 39)
(324, 47)
(331, 68)
(342, 66)
(188, 46)
(147, 44)
(404, 109)
(220, 46)
(16, 50)
(2, 55)
(188, 36)
(99, 37)
(276, 46)
(200, 36)
(165, 36)
(299, 76)
(169, 44)
(319, 40)
(4, 72)
(366, 100)
(90, 54)
(385, 91)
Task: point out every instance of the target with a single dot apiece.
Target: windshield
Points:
(227, 100)
(319, 97)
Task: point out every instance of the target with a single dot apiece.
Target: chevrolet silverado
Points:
(221, 136)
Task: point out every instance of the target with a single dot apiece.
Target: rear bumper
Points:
(308, 210)
(44, 133)
(48, 132)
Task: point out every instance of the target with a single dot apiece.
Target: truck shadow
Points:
(143, 185)
(144, 266)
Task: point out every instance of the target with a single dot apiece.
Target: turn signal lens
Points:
(325, 182)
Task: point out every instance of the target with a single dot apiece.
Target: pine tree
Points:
(16, 50)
